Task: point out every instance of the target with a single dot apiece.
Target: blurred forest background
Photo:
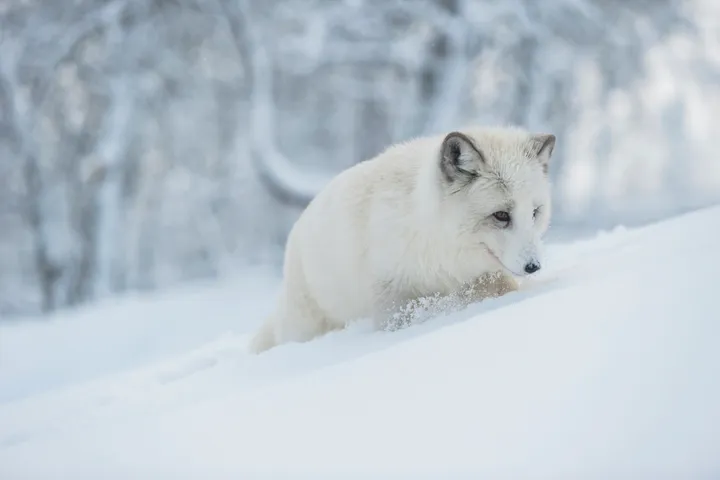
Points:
(145, 143)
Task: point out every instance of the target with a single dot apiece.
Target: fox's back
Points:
(354, 226)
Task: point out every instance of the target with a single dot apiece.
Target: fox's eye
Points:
(536, 212)
(502, 216)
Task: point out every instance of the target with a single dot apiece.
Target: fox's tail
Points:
(264, 338)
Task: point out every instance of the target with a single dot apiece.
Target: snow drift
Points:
(606, 366)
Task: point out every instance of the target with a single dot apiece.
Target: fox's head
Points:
(497, 191)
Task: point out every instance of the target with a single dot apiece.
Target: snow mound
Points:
(605, 366)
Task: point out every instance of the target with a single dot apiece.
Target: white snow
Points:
(606, 366)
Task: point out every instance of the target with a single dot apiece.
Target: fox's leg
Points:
(298, 317)
(489, 285)
(397, 308)
(390, 305)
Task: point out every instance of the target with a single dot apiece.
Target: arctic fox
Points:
(424, 217)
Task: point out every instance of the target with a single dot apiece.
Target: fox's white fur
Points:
(418, 219)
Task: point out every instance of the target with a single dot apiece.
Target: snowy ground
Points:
(607, 366)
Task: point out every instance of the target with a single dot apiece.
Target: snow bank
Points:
(606, 366)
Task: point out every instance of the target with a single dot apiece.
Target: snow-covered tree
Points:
(147, 142)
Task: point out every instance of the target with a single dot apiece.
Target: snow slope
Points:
(606, 366)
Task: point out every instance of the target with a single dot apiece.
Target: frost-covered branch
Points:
(287, 183)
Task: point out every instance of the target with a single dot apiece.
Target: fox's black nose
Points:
(532, 267)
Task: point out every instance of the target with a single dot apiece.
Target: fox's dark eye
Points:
(502, 216)
(536, 212)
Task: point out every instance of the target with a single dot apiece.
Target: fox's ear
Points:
(460, 159)
(541, 147)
